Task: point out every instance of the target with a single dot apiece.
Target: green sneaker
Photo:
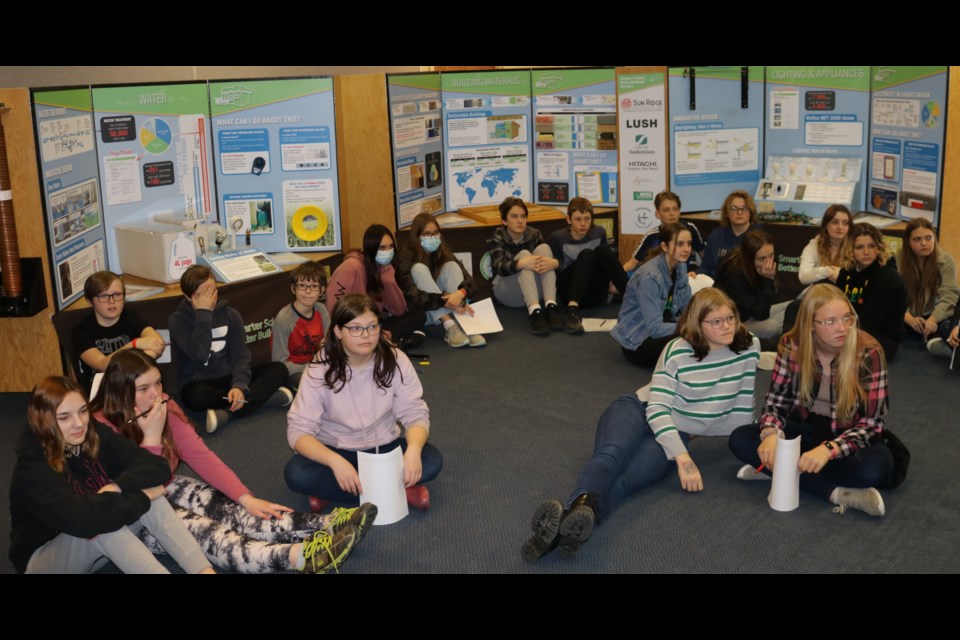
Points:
(360, 517)
(323, 551)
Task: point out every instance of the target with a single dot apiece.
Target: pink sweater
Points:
(351, 277)
(195, 453)
(360, 416)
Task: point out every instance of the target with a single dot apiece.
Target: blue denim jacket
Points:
(641, 314)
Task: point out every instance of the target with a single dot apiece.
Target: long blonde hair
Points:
(801, 341)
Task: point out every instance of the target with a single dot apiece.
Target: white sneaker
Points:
(939, 347)
(747, 472)
(455, 337)
(477, 341)
(216, 418)
(867, 500)
(767, 360)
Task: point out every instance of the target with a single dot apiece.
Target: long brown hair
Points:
(744, 257)
(117, 399)
(823, 237)
(42, 418)
(864, 229)
(705, 302)
(438, 258)
(921, 275)
(800, 341)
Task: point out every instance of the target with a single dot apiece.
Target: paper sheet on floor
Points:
(599, 324)
(484, 319)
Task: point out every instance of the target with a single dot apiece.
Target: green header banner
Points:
(229, 97)
(546, 81)
(78, 99)
(498, 83)
(160, 100)
(847, 78)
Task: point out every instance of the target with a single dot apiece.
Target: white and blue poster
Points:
(71, 192)
(643, 148)
(575, 136)
(276, 162)
(153, 145)
(716, 143)
(486, 137)
(416, 127)
(906, 141)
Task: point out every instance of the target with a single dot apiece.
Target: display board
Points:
(642, 115)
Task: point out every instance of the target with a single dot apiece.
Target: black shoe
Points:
(538, 323)
(577, 525)
(554, 317)
(572, 324)
(411, 341)
(546, 524)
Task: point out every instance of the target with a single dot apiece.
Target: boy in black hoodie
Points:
(213, 361)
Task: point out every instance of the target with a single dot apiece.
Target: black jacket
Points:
(753, 303)
(879, 297)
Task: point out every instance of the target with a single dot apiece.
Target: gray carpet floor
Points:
(515, 422)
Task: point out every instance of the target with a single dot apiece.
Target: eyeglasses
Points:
(110, 297)
(435, 234)
(356, 330)
(847, 321)
(718, 322)
(308, 287)
(739, 209)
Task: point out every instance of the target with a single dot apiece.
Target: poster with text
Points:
(486, 137)
(575, 136)
(816, 128)
(153, 144)
(906, 141)
(716, 144)
(71, 193)
(642, 119)
(276, 158)
(416, 134)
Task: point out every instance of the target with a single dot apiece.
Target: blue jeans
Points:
(306, 476)
(626, 456)
(870, 467)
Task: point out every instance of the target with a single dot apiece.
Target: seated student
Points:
(434, 280)
(749, 276)
(930, 275)
(299, 327)
(738, 215)
(822, 256)
(524, 268)
(703, 385)
(587, 264)
(829, 387)
(870, 281)
(235, 529)
(80, 493)
(372, 272)
(352, 398)
(667, 206)
(656, 295)
(109, 328)
(213, 361)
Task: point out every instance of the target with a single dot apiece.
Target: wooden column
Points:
(950, 206)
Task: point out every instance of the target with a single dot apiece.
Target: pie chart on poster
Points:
(155, 136)
(309, 223)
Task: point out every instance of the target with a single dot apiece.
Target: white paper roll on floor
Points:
(785, 488)
(381, 476)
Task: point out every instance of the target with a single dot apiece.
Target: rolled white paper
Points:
(785, 488)
(381, 476)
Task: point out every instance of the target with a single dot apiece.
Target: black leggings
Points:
(647, 354)
(402, 326)
(201, 395)
(585, 281)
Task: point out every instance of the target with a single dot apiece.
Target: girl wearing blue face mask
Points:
(434, 280)
(372, 272)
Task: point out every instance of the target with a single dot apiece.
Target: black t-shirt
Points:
(88, 334)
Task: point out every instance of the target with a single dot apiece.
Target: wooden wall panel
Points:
(29, 344)
(950, 206)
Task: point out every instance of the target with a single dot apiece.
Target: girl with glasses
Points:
(703, 384)
(738, 215)
(351, 398)
(236, 530)
(829, 387)
(870, 281)
(930, 274)
(109, 328)
(434, 280)
(372, 271)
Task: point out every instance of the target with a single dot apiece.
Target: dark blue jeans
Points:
(626, 456)
(306, 476)
(870, 467)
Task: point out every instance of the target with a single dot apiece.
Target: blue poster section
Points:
(486, 137)
(276, 162)
(717, 147)
(71, 193)
(154, 150)
(906, 144)
(575, 143)
(416, 127)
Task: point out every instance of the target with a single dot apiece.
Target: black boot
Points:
(545, 523)
(577, 524)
